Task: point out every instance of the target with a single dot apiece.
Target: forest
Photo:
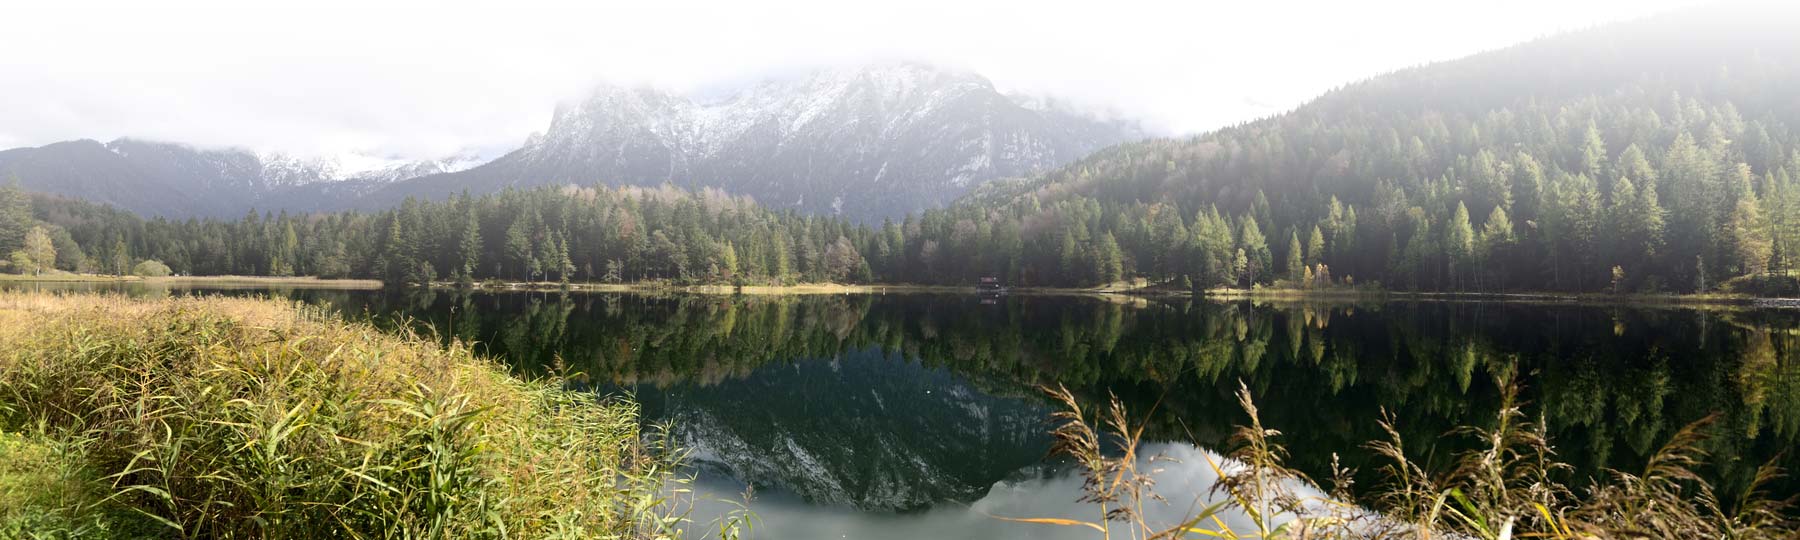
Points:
(1596, 161)
(1718, 199)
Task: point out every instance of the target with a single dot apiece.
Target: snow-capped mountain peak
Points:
(869, 142)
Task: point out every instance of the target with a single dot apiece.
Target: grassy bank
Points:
(1548, 298)
(207, 281)
(667, 287)
(236, 418)
(67, 277)
(266, 281)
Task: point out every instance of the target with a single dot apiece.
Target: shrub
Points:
(150, 268)
(1764, 285)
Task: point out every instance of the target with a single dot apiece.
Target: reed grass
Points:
(240, 418)
(1511, 486)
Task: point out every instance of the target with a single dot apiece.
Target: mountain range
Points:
(177, 180)
(866, 143)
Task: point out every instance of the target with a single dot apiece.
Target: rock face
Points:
(177, 181)
(866, 143)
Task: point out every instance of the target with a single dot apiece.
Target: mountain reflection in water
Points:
(877, 413)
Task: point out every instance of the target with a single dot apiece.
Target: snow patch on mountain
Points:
(286, 170)
(866, 142)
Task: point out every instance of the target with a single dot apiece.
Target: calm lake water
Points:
(915, 416)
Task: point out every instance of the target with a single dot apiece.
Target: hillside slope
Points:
(1663, 147)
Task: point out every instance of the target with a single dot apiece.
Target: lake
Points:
(917, 416)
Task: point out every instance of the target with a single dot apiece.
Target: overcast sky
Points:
(426, 79)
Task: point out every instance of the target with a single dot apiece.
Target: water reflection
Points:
(1034, 492)
(923, 404)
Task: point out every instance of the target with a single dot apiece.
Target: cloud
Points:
(421, 79)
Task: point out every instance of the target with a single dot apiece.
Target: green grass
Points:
(64, 277)
(235, 418)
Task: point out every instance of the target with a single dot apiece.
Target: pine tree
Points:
(399, 267)
(287, 252)
(1315, 247)
(15, 216)
(470, 247)
(783, 265)
(1746, 231)
(1593, 152)
(1459, 244)
(1240, 267)
(1414, 266)
(1256, 247)
(519, 248)
(728, 255)
(564, 266)
(1494, 247)
(1489, 186)
(1583, 200)
(1343, 241)
(1293, 265)
(1068, 257)
(1527, 187)
(1109, 267)
(1641, 230)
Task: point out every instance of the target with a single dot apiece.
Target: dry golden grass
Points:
(221, 417)
(1509, 487)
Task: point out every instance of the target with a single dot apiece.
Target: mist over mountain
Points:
(866, 143)
(176, 180)
(1656, 155)
(1653, 155)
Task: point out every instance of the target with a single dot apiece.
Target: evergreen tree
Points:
(1746, 231)
(1593, 153)
(1109, 266)
(470, 245)
(1240, 267)
(1343, 242)
(1315, 247)
(729, 255)
(1250, 239)
(564, 266)
(519, 249)
(398, 265)
(1637, 226)
(1293, 265)
(1459, 244)
(1494, 248)
(1414, 268)
(15, 216)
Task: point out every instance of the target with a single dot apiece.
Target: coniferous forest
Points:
(1605, 160)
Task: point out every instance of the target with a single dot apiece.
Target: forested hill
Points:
(548, 234)
(1664, 148)
(1655, 155)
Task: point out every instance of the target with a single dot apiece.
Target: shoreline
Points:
(261, 281)
(1109, 291)
(795, 289)
(1521, 297)
(211, 281)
